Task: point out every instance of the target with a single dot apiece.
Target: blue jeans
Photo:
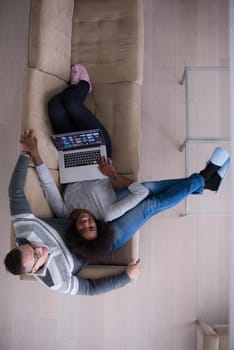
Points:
(162, 195)
(68, 113)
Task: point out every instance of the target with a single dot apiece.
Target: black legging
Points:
(68, 113)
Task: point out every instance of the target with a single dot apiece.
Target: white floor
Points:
(185, 274)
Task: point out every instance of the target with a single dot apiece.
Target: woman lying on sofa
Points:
(69, 114)
(93, 238)
(88, 204)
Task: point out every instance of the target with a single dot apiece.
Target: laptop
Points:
(79, 153)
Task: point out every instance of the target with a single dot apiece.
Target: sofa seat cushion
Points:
(118, 107)
(107, 37)
(39, 87)
(50, 36)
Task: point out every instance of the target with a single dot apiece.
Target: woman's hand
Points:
(106, 167)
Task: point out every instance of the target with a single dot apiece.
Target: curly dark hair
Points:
(91, 251)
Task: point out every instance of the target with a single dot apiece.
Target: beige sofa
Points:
(107, 37)
(212, 337)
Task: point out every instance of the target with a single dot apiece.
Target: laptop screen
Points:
(76, 140)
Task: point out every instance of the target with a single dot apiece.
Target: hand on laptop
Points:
(29, 142)
(106, 167)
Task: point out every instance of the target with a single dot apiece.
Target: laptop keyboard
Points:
(81, 158)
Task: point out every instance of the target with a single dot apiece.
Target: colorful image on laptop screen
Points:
(77, 140)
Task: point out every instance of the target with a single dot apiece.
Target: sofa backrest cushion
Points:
(107, 37)
(50, 36)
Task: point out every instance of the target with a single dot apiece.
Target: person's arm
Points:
(107, 168)
(29, 143)
(107, 284)
(48, 185)
(51, 191)
(137, 191)
(17, 199)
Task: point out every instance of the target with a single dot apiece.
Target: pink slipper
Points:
(79, 72)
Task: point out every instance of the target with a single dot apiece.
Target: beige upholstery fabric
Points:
(107, 37)
(118, 107)
(212, 337)
(50, 36)
(39, 87)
